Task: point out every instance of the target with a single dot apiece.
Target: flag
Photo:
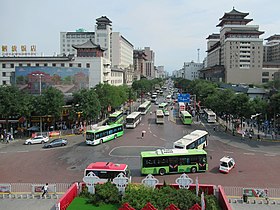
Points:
(196, 186)
(202, 201)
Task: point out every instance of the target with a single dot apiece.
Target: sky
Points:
(176, 30)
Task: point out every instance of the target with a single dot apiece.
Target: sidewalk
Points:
(263, 136)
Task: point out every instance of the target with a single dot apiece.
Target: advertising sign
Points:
(253, 192)
(34, 79)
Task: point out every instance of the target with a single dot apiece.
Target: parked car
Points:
(37, 140)
(59, 142)
(226, 164)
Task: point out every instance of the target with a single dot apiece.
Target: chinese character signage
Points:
(13, 50)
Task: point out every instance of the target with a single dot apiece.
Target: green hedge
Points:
(139, 195)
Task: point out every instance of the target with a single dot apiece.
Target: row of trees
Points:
(226, 101)
(91, 104)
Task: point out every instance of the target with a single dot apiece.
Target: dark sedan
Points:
(56, 143)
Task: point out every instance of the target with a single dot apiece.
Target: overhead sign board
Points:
(184, 97)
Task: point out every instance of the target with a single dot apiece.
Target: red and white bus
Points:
(107, 170)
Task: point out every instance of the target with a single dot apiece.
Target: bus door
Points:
(173, 164)
(202, 163)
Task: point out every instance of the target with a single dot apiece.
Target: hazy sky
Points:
(173, 29)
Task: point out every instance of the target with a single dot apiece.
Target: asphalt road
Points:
(257, 162)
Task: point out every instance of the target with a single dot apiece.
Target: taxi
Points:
(226, 164)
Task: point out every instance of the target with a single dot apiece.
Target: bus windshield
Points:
(133, 119)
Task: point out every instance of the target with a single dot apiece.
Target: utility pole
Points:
(198, 55)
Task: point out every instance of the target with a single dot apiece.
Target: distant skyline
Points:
(173, 29)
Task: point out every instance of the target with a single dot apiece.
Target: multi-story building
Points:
(237, 57)
(191, 70)
(89, 56)
(271, 59)
(139, 59)
(118, 49)
(67, 39)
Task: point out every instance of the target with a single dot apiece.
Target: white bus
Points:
(210, 116)
(159, 116)
(195, 140)
(144, 108)
(133, 120)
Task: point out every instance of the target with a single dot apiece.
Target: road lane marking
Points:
(3, 152)
(228, 152)
(154, 135)
(270, 155)
(162, 139)
(23, 151)
(249, 153)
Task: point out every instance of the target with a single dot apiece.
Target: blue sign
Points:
(184, 97)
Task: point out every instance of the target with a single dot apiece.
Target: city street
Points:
(255, 161)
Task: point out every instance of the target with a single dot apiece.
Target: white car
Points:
(37, 140)
(226, 164)
(166, 113)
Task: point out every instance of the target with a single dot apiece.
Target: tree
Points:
(86, 102)
(50, 102)
(11, 102)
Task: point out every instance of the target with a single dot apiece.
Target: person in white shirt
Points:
(45, 189)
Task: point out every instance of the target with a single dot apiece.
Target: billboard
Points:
(35, 79)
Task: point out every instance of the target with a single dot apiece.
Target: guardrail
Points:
(33, 188)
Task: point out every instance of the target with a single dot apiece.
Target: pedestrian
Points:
(2, 137)
(259, 137)
(250, 136)
(143, 134)
(243, 135)
(45, 189)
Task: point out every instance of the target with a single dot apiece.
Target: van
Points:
(226, 164)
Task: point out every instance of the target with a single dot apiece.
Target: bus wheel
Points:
(101, 141)
(115, 136)
(193, 169)
(162, 171)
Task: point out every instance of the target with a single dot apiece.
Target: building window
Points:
(265, 74)
(29, 64)
(79, 65)
(54, 64)
(20, 64)
(88, 65)
(45, 64)
(3, 65)
(62, 64)
(3, 74)
(4, 82)
(12, 65)
(37, 64)
(265, 80)
(70, 64)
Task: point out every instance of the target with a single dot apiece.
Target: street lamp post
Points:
(40, 92)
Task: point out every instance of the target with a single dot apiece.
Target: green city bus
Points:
(165, 161)
(163, 106)
(103, 134)
(116, 118)
(186, 117)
